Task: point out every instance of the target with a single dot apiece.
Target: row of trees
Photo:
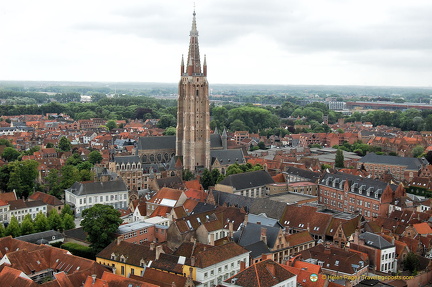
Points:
(54, 221)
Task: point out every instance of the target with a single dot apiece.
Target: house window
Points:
(122, 270)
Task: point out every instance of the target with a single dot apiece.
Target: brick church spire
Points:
(193, 112)
(194, 63)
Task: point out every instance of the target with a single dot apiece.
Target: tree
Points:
(411, 262)
(13, 228)
(339, 159)
(64, 144)
(2, 230)
(170, 131)
(49, 145)
(53, 183)
(54, 220)
(417, 151)
(70, 175)
(206, 179)
(66, 210)
(95, 157)
(261, 145)
(41, 222)
(187, 175)
(100, 222)
(22, 177)
(10, 154)
(68, 221)
(111, 124)
(27, 225)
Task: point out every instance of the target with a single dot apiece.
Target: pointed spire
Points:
(194, 64)
(194, 31)
(224, 133)
(205, 66)
(182, 66)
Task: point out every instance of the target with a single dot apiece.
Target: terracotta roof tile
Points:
(263, 274)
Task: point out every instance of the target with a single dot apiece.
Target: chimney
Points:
(242, 265)
(152, 246)
(173, 284)
(263, 235)
(271, 269)
(356, 236)
(118, 240)
(192, 260)
(231, 229)
(246, 219)
(93, 278)
(159, 250)
(212, 243)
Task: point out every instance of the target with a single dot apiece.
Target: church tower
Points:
(193, 111)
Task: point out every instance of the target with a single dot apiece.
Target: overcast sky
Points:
(313, 42)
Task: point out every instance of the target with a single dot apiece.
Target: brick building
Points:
(350, 193)
(402, 168)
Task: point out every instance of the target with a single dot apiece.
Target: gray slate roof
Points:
(127, 159)
(40, 237)
(251, 233)
(248, 180)
(356, 182)
(375, 240)
(271, 208)
(310, 175)
(83, 188)
(407, 162)
(228, 156)
(257, 249)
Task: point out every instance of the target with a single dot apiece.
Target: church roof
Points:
(228, 156)
(168, 142)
